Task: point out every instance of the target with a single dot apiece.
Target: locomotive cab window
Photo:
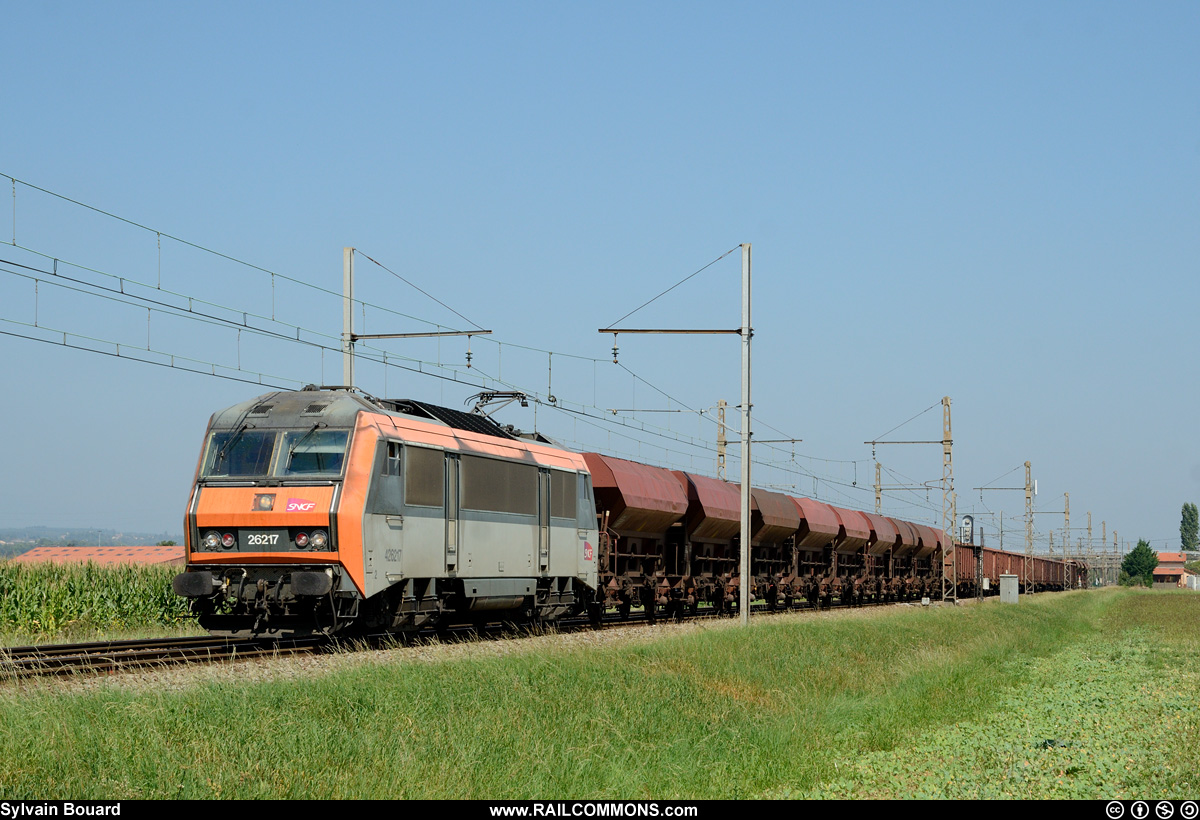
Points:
(243, 453)
(313, 452)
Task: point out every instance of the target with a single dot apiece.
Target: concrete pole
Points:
(744, 586)
(878, 492)
(721, 440)
(949, 510)
(1066, 525)
(1028, 529)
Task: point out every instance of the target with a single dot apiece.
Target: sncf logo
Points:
(300, 505)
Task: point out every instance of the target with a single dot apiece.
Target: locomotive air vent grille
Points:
(315, 409)
(261, 409)
(453, 418)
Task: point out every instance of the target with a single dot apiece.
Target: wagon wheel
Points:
(623, 605)
(649, 603)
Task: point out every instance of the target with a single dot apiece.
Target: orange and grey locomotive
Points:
(323, 510)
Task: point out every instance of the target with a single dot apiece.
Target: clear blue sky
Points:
(999, 202)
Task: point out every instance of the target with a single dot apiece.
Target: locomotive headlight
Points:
(319, 540)
(227, 540)
(212, 540)
(301, 540)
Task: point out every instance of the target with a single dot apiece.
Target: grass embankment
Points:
(886, 703)
(73, 602)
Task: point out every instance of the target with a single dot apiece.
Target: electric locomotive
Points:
(326, 510)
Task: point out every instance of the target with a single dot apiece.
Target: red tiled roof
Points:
(1171, 558)
(102, 555)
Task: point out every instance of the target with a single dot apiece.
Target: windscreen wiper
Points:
(304, 438)
(233, 440)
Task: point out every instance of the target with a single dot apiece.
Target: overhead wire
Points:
(166, 309)
(172, 363)
(253, 377)
(901, 424)
(416, 287)
(159, 235)
(165, 235)
(677, 284)
(378, 356)
(361, 350)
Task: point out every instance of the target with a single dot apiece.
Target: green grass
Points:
(934, 702)
(1108, 717)
(44, 602)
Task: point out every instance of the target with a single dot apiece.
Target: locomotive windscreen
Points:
(316, 452)
(240, 453)
(249, 453)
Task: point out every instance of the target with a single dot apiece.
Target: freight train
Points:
(326, 510)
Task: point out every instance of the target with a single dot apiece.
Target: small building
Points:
(1172, 560)
(1171, 578)
(172, 556)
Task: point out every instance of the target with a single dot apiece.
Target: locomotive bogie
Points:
(241, 600)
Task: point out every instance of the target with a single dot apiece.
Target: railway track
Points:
(111, 656)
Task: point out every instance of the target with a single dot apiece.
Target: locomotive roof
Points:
(338, 407)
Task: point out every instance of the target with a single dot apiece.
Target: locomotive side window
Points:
(385, 496)
(424, 477)
(240, 453)
(562, 494)
(313, 452)
(391, 464)
(492, 485)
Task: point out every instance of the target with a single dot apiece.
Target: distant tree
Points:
(1189, 527)
(1139, 564)
(166, 544)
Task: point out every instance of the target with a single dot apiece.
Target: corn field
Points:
(51, 599)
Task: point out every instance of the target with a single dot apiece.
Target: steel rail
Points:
(112, 656)
(108, 656)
